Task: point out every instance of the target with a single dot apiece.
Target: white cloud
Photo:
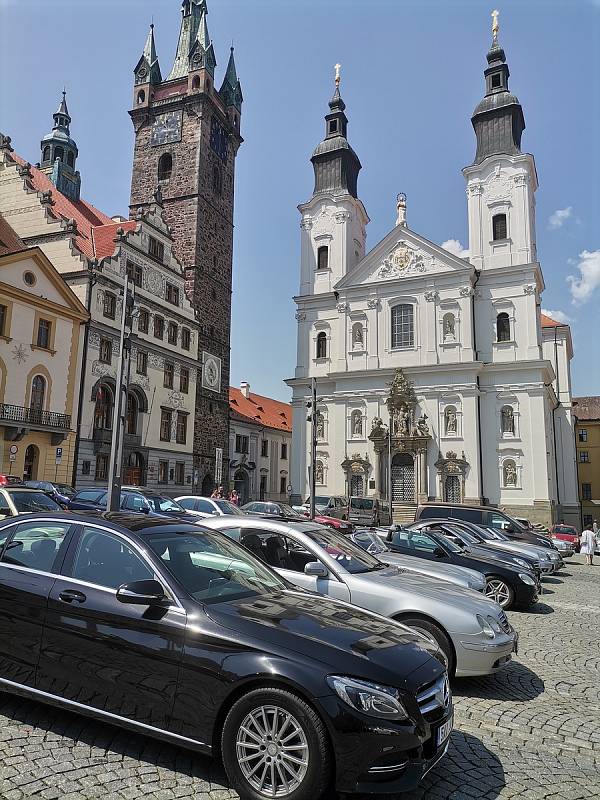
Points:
(558, 316)
(582, 286)
(560, 216)
(455, 247)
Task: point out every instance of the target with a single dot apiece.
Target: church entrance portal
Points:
(452, 489)
(357, 486)
(403, 478)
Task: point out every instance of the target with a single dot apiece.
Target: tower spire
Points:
(202, 54)
(192, 12)
(231, 90)
(59, 153)
(147, 69)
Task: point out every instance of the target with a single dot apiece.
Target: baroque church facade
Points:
(438, 378)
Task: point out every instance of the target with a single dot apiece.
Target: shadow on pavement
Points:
(540, 608)
(514, 682)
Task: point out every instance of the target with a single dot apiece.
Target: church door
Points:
(357, 486)
(452, 489)
(403, 478)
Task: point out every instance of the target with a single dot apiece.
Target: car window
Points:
(369, 541)
(134, 502)
(361, 503)
(92, 495)
(106, 560)
(415, 540)
(230, 509)
(212, 568)
(498, 521)
(5, 510)
(4, 535)
(36, 545)
(163, 505)
(189, 503)
(32, 502)
(347, 554)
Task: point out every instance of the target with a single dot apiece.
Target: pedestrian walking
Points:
(234, 498)
(588, 544)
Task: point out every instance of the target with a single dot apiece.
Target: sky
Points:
(412, 73)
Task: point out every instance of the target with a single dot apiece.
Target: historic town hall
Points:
(437, 376)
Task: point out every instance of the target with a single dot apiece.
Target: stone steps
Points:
(403, 514)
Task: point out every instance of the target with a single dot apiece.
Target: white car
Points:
(209, 506)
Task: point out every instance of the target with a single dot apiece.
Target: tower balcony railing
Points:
(20, 415)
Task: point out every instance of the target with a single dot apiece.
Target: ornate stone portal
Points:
(452, 471)
(402, 446)
(357, 471)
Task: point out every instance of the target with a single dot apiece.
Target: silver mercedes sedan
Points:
(473, 632)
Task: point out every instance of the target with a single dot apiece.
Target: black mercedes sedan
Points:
(508, 585)
(178, 632)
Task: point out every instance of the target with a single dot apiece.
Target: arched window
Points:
(356, 424)
(196, 82)
(46, 155)
(358, 336)
(509, 472)
(450, 421)
(322, 345)
(38, 393)
(499, 229)
(403, 331)
(59, 153)
(165, 167)
(132, 415)
(217, 180)
(141, 97)
(70, 158)
(507, 420)
(323, 257)
(503, 327)
(103, 410)
(449, 328)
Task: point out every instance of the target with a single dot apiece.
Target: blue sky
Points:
(411, 76)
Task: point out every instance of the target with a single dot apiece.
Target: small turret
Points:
(147, 71)
(59, 153)
(202, 61)
(231, 92)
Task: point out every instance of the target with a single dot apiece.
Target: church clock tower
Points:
(187, 134)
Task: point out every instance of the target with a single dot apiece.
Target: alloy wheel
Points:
(499, 591)
(272, 751)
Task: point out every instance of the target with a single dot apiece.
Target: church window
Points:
(165, 167)
(141, 97)
(59, 153)
(322, 345)
(323, 257)
(156, 249)
(503, 327)
(46, 156)
(403, 331)
(217, 180)
(70, 159)
(499, 228)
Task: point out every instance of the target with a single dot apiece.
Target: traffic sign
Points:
(13, 449)
(12, 457)
(58, 458)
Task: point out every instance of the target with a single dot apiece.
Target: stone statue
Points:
(357, 424)
(403, 421)
(449, 328)
(319, 472)
(510, 474)
(508, 420)
(422, 426)
(320, 426)
(357, 337)
(451, 420)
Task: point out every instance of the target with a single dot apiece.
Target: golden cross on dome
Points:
(337, 74)
(495, 24)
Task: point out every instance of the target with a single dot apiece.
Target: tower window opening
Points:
(499, 227)
(333, 125)
(70, 159)
(207, 85)
(496, 81)
(46, 156)
(323, 257)
(165, 167)
(196, 82)
(503, 327)
(322, 345)
(141, 98)
(59, 153)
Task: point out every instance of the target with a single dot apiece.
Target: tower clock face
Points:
(219, 140)
(166, 128)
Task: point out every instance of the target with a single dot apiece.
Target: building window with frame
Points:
(582, 435)
(403, 328)
(109, 305)
(3, 316)
(103, 410)
(499, 227)
(241, 444)
(282, 484)
(166, 418)
(105, 356)
(101, 467)
(184, 380)
(321, 345)
(143, 321)
(141, 363)
(323, 257)
(156, 249)
(169, 375)
(181, 428)
(134, 271)
(172, 294)
(185, 338)
(131, 417)
(586, 491)
(584, 457)
(159, 328)
(284, 451)
(503, 327)
(38, 393)
(163, 471)
(44, 334)
(172, 333)
(264, 448)
(180, 473)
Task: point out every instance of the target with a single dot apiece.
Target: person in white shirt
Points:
(588, 544)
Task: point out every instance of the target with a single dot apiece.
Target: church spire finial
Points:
(495, 26)
(338, 77)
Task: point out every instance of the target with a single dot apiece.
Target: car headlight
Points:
(527, 579)
(370, 698)
(486, 627)
(521, 563)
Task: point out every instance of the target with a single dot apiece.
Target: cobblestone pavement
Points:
(531, 732)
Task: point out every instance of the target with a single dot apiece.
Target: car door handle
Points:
(72, 596)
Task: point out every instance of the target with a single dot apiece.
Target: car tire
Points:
(434, 632)
(308, 780)
(499, 591)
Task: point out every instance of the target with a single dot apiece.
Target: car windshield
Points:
(163, 505)
(229, 508)
(31, 502)
(464, 536)
(369, 541)
(564, 529)
(288, 511)
(361, 503)
(212, 568)
(442, 541)
(65, 489)
(348, 555)
(90, 495)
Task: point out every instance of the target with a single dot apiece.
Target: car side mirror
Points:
(215, 514)
(316, 569)
(143, 593)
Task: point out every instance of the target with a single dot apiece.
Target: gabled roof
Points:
(103, 237)
(260, 410)
(548, 322)
(587, 408)
(9, 241)
(86, 216)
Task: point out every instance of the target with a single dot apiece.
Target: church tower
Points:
(187, 135)
(502, 181)
(334, 219)
(59, 154)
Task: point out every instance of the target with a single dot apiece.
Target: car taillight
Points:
(3, 480)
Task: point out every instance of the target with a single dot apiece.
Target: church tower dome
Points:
(59, 153)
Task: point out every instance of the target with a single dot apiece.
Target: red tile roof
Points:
(103, 237)
(587, 408)
(548, 322)
(84, 213)
(9, 241)
(260, 410)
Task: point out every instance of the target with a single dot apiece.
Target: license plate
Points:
(444, 731)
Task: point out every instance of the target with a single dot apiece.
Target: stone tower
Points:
(187, 134)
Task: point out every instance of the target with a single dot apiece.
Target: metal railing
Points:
(33, 416)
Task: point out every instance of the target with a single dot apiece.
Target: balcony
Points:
(13, 416)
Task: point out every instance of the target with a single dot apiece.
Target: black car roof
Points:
(140, 524)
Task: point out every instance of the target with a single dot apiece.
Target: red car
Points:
(567, 533)
(341, 525)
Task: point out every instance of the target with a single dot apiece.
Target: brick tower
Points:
(187, 134)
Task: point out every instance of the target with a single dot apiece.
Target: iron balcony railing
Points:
(19, 415)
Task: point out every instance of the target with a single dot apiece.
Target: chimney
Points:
(245, 389)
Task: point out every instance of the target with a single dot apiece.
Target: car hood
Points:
(348, 639)
(449, 572)
(526, 550)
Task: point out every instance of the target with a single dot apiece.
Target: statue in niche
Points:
(422, 426)
(451, 420)
(449, 324)
(358, 342)
(508, 420)
(319, 472)
(403, 421)
(510, 474)
(357, 423)
(320, 426)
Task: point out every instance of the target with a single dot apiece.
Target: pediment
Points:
(402, 254)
